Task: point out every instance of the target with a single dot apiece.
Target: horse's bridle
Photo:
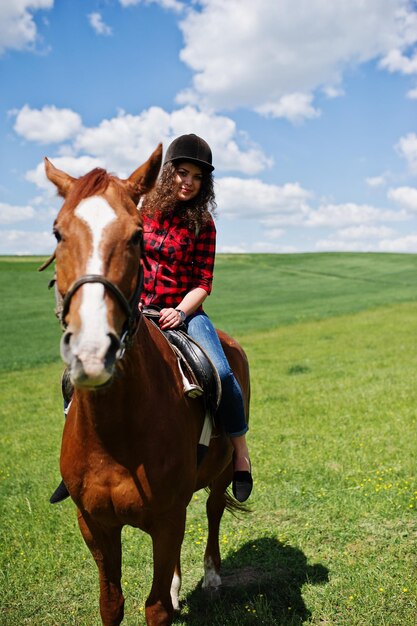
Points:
(129, 307)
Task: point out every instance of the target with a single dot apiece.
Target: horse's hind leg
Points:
(216, 503)
(176, 586)
(105, 546)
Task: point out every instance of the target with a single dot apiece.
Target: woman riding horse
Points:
(179, 248)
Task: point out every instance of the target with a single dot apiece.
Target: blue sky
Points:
(309, 107)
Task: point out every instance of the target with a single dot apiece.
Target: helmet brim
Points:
(207, 166)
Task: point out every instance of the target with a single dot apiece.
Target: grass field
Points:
(331, 539)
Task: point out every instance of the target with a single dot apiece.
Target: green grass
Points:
(29, 331)
(251, 292)
(262, 291)
(331, 539)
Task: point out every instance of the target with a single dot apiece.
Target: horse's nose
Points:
(90, 363)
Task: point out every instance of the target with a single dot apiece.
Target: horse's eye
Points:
(57, 235)
(136, 238)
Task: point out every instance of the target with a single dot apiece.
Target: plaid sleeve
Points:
(204, 253)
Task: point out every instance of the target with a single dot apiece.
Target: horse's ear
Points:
(61, 180)
(144, 178)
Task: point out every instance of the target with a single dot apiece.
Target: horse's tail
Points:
(234, 507)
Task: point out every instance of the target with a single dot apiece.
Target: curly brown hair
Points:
(163, 198)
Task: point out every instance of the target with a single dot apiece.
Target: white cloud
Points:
(10, 213)
(365, 232)
(295, 107)
(254, 199)
(256, 247)
(376, 181)
(75, 166)
(125, 141)
(341, 245)
(395, 61)
(227, 249)
(401, 244)
(374, 242)
(165, 4)
(407, 148)
(26, 242)
(275, 233)
(412, 94)
(17, 27)
(333, 91)
(267, 246)
(405, 197)
(97, 24)
(350, 213)
(254, 54)
(292, 209)
(46, 125)
(289, 205)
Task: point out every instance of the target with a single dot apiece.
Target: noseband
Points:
(129, 307)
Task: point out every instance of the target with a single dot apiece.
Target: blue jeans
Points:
(231, 410)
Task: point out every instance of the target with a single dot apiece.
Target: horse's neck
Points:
(147, 369)
(151, 354)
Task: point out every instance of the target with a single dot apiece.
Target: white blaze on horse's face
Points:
(90, 346)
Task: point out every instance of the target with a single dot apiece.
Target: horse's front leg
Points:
(105, 546)
(215, 506)
(167, 536)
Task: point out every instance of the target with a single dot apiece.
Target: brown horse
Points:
(129, 448)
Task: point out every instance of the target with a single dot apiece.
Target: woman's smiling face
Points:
(188, 177)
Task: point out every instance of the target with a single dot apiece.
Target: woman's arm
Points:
(202, 277)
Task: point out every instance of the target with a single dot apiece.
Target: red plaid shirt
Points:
(176, 260)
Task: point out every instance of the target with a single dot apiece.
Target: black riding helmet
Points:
(190, 148)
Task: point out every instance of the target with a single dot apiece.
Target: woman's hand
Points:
(169, 318)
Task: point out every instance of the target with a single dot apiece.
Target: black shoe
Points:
(60, 493)
(242, 485)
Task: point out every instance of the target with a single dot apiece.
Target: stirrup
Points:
(190, 389)
(193, 391)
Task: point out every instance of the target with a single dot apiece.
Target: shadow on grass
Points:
(262, 584)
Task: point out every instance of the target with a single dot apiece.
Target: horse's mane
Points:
(91, 184)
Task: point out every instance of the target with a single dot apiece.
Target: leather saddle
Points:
(200, 376)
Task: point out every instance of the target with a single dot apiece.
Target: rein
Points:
(130, 307)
